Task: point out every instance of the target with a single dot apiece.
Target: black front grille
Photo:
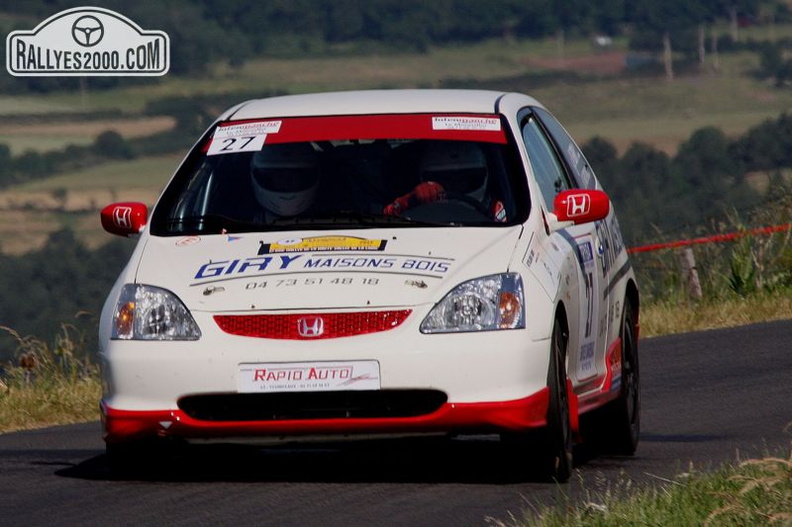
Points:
(312, 405)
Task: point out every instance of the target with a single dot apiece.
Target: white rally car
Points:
(375, 263)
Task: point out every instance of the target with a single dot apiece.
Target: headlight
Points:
(145, 312)
(487, 303)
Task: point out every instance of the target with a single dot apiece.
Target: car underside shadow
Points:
(436, 460)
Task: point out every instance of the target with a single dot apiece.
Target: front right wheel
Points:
(615, 428)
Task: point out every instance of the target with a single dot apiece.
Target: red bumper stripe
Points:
(521, 414)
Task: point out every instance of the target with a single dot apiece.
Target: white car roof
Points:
(381, 102)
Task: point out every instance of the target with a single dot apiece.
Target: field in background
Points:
(576, 82)
(43, 135)
(29, 212)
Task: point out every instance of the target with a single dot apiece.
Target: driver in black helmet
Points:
(450, 168)
(285, 179)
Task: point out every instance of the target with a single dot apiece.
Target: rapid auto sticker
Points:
(308, 376)
(322, 243)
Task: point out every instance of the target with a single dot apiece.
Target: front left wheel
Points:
(555, 457)
(547, 453)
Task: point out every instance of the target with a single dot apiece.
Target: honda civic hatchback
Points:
(375, 264)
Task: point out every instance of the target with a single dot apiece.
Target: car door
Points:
(552, 163)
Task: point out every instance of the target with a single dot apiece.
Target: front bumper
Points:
(530, 412)
(488, 382)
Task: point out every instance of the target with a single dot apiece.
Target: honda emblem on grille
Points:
(310, 326)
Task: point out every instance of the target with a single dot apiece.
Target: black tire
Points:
(555, 457)
(616, 428)
(547, 453)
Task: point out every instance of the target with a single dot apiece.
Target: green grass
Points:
(41, 135)
(43, 143)
(33, 105)
(149, 173)
(32, 210)
(625, 109)
(50, 384)
(681, 315)
(753, 492)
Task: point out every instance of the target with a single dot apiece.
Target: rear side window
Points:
(575, 159)
(547, 167)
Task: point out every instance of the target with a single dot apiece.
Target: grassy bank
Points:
(753, 492)
(48, 384)
(683, 316)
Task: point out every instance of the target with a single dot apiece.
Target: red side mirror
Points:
(581, 206)
(125, 219)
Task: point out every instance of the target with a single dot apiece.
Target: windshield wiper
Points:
(212, 223)
(347, 217)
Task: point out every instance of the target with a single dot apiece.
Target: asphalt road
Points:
(708, 398)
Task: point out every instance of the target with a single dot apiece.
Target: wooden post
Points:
(690, 273)
(668, 59)
(734, 24)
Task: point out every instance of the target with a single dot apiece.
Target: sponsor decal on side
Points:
(322, 243)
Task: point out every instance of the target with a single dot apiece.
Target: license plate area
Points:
(324, 376)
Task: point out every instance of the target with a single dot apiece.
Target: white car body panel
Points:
(343, 270)
(413, 268)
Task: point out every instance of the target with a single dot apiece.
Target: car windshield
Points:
(420, 170)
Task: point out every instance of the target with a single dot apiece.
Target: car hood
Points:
(384, 268)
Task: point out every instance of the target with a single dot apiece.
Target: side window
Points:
(581, 170)
(547, 168)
